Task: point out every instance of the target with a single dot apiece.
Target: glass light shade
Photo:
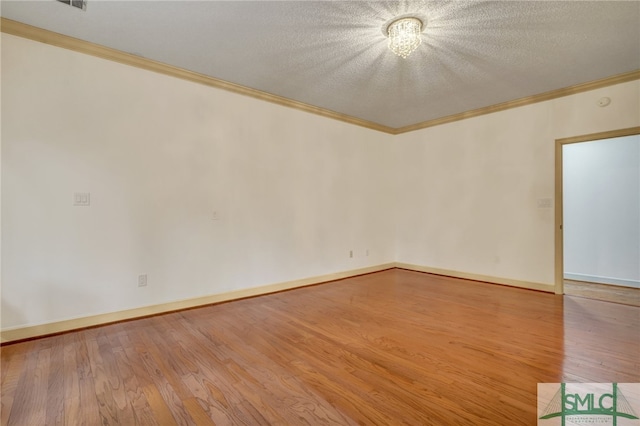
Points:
(404, 36)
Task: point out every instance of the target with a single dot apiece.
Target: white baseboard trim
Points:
(29, 332)
(601, 280)
(476, 277)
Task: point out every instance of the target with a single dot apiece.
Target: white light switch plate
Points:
(142, 280)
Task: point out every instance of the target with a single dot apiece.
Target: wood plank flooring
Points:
(606, 292)
(394, 347)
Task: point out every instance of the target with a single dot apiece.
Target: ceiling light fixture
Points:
(404, 35)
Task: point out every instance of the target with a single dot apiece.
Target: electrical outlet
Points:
(350, 253)
(544, 203)
(142, 280)
(82, 199)
(215, 215)
(367, 253)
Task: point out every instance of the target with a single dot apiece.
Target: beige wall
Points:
(294, 192)
(469, 190)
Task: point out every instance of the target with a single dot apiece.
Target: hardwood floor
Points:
(605, 292)
(394, 347)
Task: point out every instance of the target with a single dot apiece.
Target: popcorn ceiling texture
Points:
(332, 54)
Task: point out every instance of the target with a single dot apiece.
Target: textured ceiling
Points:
(333, 55)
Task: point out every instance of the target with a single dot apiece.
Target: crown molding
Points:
(554, 94)
(19, 29)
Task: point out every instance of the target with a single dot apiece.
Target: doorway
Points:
(585, 243)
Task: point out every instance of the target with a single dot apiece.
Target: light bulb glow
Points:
(404, 36)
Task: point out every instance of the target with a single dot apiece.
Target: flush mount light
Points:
(404, 35)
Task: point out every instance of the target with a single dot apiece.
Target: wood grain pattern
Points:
(29, 332)
(394, 347)
(604, 292)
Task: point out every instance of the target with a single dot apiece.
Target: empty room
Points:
(320, 212)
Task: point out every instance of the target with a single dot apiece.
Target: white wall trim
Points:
(601, 280)
(28, 332)
(476, 277)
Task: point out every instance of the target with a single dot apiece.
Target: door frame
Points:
(559, 236)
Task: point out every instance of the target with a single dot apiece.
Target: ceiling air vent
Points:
(80, 4)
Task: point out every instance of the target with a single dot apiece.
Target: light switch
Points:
(142, 280)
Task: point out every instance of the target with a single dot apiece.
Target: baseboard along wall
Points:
(20, 333)
(529, 285)
(601, 280)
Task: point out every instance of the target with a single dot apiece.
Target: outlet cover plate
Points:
(82, 199)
